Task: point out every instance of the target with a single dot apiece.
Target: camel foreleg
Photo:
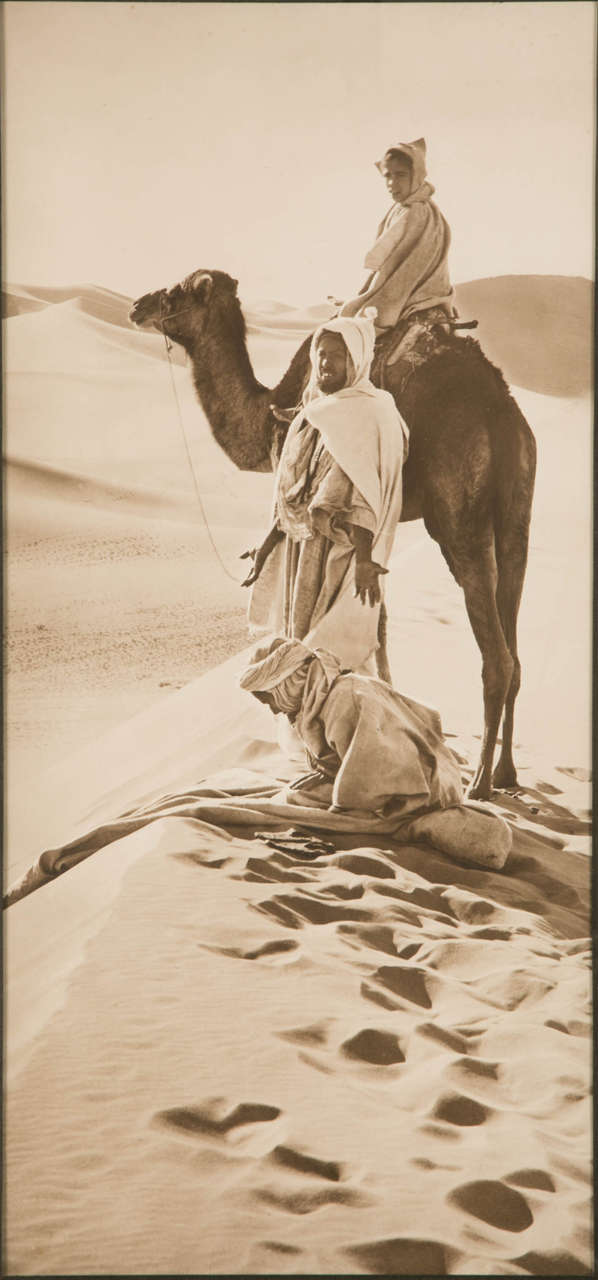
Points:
(382, 663)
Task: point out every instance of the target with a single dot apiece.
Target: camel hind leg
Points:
(512, 523)
(476, 571)
(512, 562)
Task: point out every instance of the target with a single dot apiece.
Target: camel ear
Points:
(201, 284)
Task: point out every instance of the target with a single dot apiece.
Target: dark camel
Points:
(469, 475)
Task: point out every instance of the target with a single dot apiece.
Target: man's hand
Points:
(297, 842)
(259, 556)
(367, 586)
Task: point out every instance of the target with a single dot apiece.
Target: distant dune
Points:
(102, 303)
(18, 302)
(285, 322)
(269, 306)
(81, 332)
(537, 329)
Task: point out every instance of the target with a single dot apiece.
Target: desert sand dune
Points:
(66, 334)
(212, 1044)
(17, 301)
(104, 303)
(272, 320)
(403, 1061)
(538, 329)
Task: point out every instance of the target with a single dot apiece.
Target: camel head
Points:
(181, 312)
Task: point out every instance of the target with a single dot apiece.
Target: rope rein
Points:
(217, 554)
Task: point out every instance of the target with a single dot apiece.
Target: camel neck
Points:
(235, 403)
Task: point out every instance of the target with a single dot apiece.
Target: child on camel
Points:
(408, 262)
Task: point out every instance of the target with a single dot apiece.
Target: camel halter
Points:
(171, 315)
(168, 345)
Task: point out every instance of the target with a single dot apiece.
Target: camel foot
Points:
(505, 775)
(479, 789)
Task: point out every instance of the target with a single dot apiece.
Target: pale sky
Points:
(144, 140)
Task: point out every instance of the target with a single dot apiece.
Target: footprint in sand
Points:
(513, 989)
(319, 1064)
(364, 864)
(204, 860)
(403, 1256)
(376, 1048)
(408, 952)
(553, 1262)
(478, 1266)
(417, 902)
(556, 817)
(211, 1121)
(574, 1027)
(344, 892)
(458, 1109)
(292, 1194)
(374, 936)
(451, 1040)
(490, 934)
(273, 1257)
(477, 1074)
(370, 1047)
(276, 907)
(316, 1034)
(407, 982)
(422, 1162)
(308, 1201)
(315, 1037)
(537, 1179)
(277, 950)
(575, 771)
(302, 1162)
(295, 910)
(494, 1203)
(548, 789)
(279, 1246)
(269, 871)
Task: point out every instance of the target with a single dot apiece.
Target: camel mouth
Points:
(136, 316)
(145, 311)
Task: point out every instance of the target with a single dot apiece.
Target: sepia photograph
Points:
(298, 312)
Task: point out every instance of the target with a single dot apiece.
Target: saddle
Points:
(411, 342)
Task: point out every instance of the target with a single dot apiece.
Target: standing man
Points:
(338, 499)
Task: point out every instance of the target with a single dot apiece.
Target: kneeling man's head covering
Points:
(276, 674)
(272, 663)
(291, 677)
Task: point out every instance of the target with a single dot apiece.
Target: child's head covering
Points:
(415, 153)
